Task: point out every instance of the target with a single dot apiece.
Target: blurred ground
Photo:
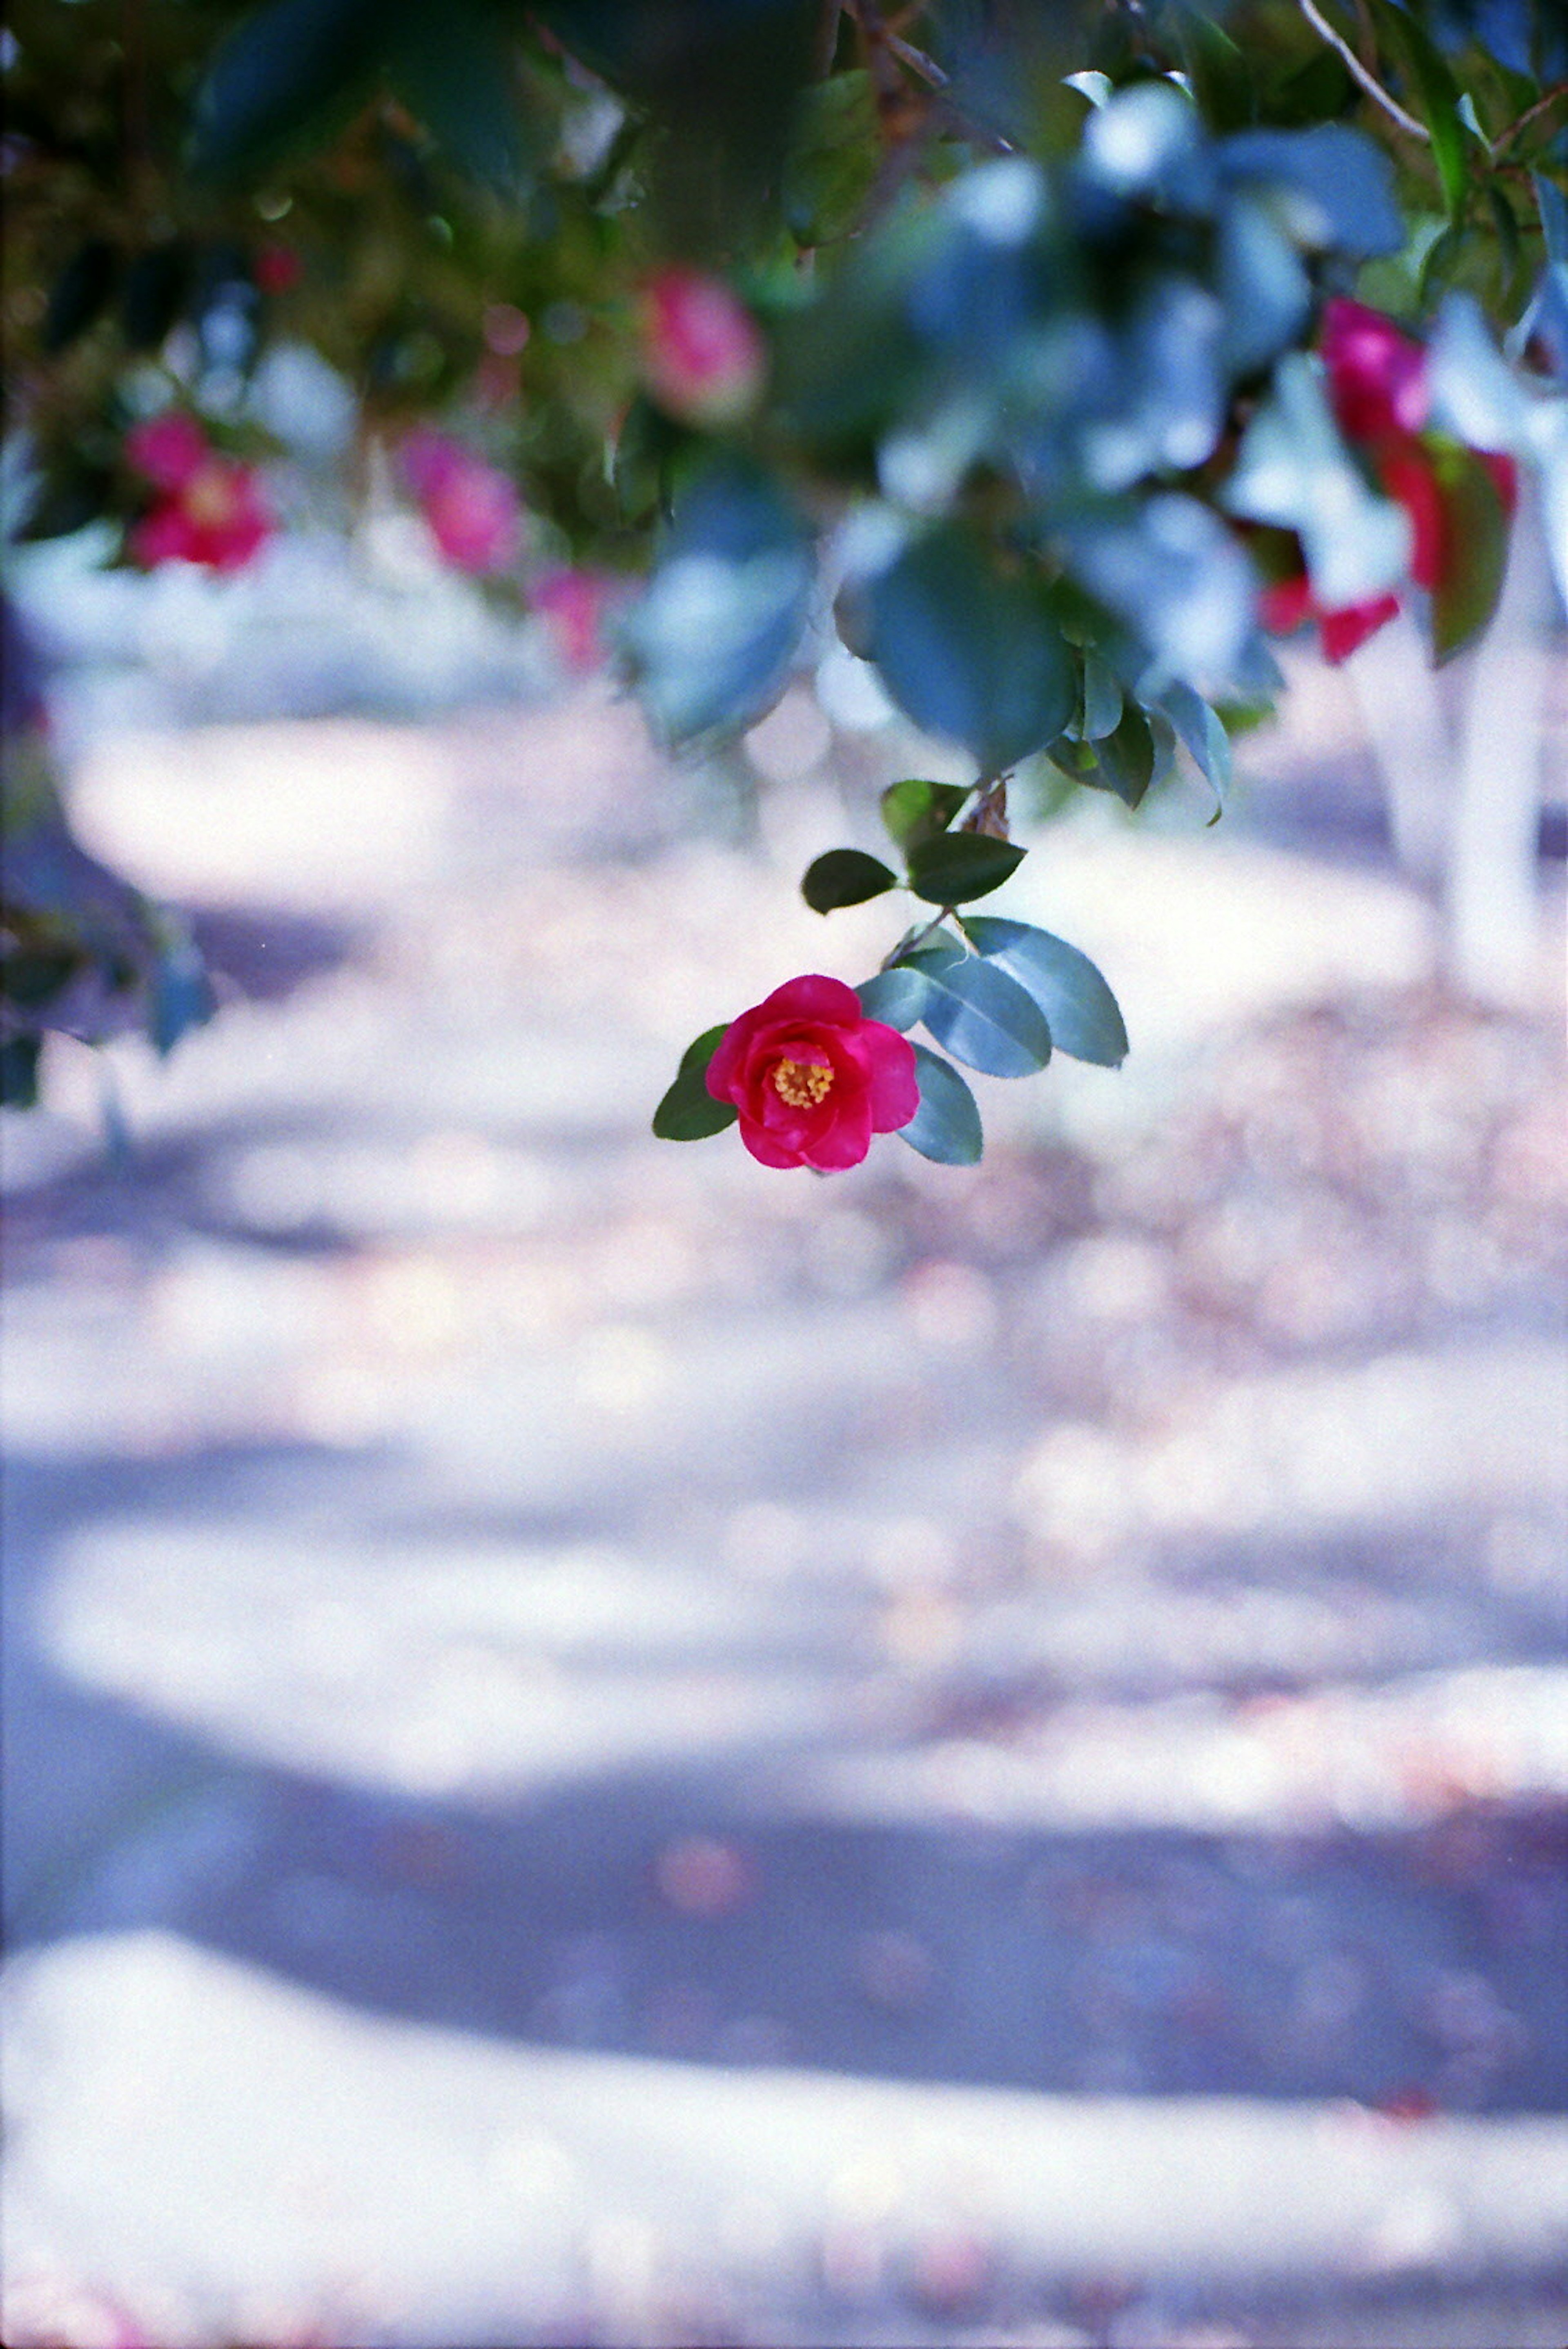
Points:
(608, 1745)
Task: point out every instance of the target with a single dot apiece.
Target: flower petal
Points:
(845, 1140)
(893, 1091)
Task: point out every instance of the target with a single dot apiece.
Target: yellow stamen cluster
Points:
(209, 497)
(802, 1083)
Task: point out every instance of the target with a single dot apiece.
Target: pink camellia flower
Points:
(474, 514)
(702, 356)
(1377, 375)
(573, 603)
(212, 510)
(813, 1078)
(1377, 387)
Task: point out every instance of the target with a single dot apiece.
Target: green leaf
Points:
(1438, 96)
(1338, 186)
(1475, 551)
(946, 1126)
(1102, 698)
(286, 77)
(969, 652)
(182, 995)
(915, 810)
(689, 1111)
(79, 294)
(711, 636)
(1121, 762)
(1221, 72)
(959, 865)
(983, 1017)
(1082, 1014)
(835, 156)
(19, 1073)
(896, 995)
(1204, 737)
(453, 68)
(844, 876)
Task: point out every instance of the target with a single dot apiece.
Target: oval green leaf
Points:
(689, 1111)
(1475, 551)
(915, 810)
(897, 997)
(844, 876)
(959, 865)
(1083, 1016)
(983, 1018)
(969, 652)
(946, 1126)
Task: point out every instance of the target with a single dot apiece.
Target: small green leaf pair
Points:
(943, 867)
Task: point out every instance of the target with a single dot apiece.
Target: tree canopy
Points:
(1053, 358)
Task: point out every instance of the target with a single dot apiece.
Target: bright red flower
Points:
(1376, 376)
(211, 510)
(474, 514)
(813, 1078)
(702, 356)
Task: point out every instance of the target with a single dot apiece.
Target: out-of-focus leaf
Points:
(721, 80)
(1084, 1017)
(1204, 736)
(180, 995)
(689, 1111)
(286, 77)
(1146, 144)
(79, 294)
(1177, 576)
(70, 492)
(453, 67)
(915, 810)
(896, 995)
(945, 1127)
(1221, 73)
(835, 156)
(155, 288)
(1263, 286)
(1336, 187)
(1553, 206)
(1475, 551)
(1162, 406)
(1293, 470)
(1102, 698)
(844, 876)
(983, 1017)
(967, 652)
(1439, 97)
(19, 1071)
(710, 637)
(959, 865)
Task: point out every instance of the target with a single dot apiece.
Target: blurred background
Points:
(608, 1746)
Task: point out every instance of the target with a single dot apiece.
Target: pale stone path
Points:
(607, 1744)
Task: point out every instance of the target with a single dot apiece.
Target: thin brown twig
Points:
(1553, 97)
(1368, 81)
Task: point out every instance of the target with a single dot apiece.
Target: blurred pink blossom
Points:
(212, 509)
(702, 355)
(474, 511)
(573, 604)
